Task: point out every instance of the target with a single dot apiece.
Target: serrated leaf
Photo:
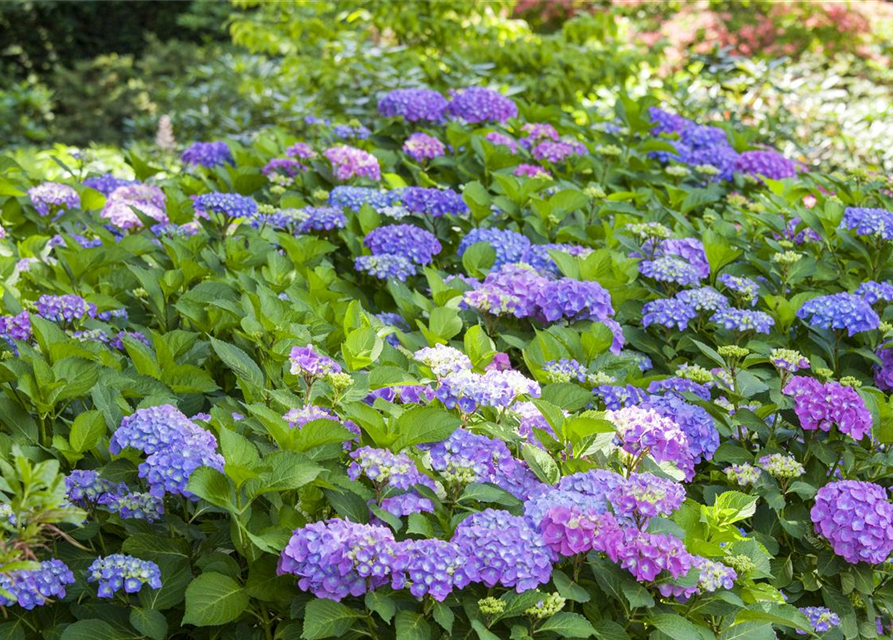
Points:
(213, 599)
(568, 625)
(328, 619)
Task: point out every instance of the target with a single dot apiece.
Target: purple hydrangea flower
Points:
(298, 417)
(525, 170)
(645, 496)
(695, 422)
(406, 240)
(300, 150)
(106, 183)
(148, 200)
(670, 269)
(669, 313)
(648, 555)
(468, 390)
(175, 447)
(477, 104)
(820, 618)
(677, 386)
(432, 567)
(350, 162)
(502, 140)
(336, 558)
(119, 571)
(644, 431)
(319, 219)
(714, 575)
(208, 154)
(883, 374)
(569, 531)
(66, 308)
(348, 132)
(306, 362)
(767, 163)
(17, 327)
(798, 237)
(666, 122)
(856, 518)
(840, 311)
(565, 370)
(413, 105)
(745, 287)
(51, 197)
(32, 588)
(134, 506)
(421, 146)
(558, 151)
(287, 167)
(87, 487)
(616, 397)
(433, 202)
(866, 221)
(821, 406)
(573, 300)
(503, 549)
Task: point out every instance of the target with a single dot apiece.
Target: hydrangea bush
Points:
(466, 367)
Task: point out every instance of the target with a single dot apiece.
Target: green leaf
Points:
(749, 631)
(327, 619)
(381, 604)
(478, 259)
(783, 614)
(249, 374)
(483, 632)
(678, 628)
(444, 616)
(412, 626)
(567, 625)
(149, 622)
(92, 630)
(541, 463)
(213, 599)
(568, 589)
(12, 631)
(445, 323)
(424, 424)
(211, 485)
(87, 430)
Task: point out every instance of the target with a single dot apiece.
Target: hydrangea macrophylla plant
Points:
(870, 222)
(107, 183)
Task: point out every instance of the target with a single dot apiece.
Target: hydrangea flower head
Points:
(119, 571)
(866, 221)
(148, 200)
(510, 246)
(349, 162)
(645, 495)
(703, 299)
(525, 170)
(17, 327)
(742, 474)
(856, 518)
(443, 360)
(300, 150)
(648, 555)
(573, 300)
(558, 151)
(695, 422)
(208, 154)
(305, 361)
(840, 311)
(433, 202)
(65, 308)
(820, 618)
(767, 163)
(134, 506)
(406, 240)
(822, 406)
(642, 430)
(875, 292)
(83, 487)
(298, 417)
(32, 588)
(742, 320)
(413, 105)
(669, 313)
(502, 140)
(788, 360)
(106, 183)
(432, 567)
(781, 466)
(421, 146)
(670, 269)
(51, 197)
(386, 266)
(225, 205)
(477, 104)
(503, 549)
(354, 198)
(569, 531)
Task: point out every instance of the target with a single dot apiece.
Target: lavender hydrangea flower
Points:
(573, 300)
(525, 170)
(875, 292)
(300, 150)
(336, 558)
(319, 219)
(413, 105)
(107, 183)
(468, 390)
(306, 362)
(175, 447)
(87, 487)
(558, 151)
(821, 406)
(677, 386)
(406, 240)
(840, 311)
(714, 575)
(745, 287)
(788, 360)
(477, 104)
(351, 132)
(119, 571)
(148, 200)
(433, 202)
(421, 146)
(208, 154)
(744, 320)
(866, 221)
(565, 370)
(883, 373)
(134, 506)
(502, 140)
(538, 507)
(666, 122)
(767, 163)
(569, 531)
(52, 197)
(350, 162)
(503, 549)
(669, 313)
(645, 496)
(648, 555)
(856, 518)
(32, 588)
(225, 205)
(385, 266)
(432, 567)
(285, 167)
(695, 422)
(17, 327)
(510, 246)
(66, 308)
(643, 431)
(616, 397)
(298, 417)
(820, 618)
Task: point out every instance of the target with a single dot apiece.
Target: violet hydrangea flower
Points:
(573, 300)
(350, 162)
(840, 311)
(106, 183)
(119, 571)
(822, 406)
(148, 200)
(767, 163)
(875, 292)
(509, 246)
(502, 140)
(66, 308)
(856, 518)
(645, 496)
(669, 313)
(413, 105)
(52, 197)
(225, 205)
(866, 221)
(477, 104)
(742, 320)
(208, 154)
(306, 362)
(32, 588)
(820, 618)
(569, 531)
(421, 146)
(643, 431)
(525, 170)
(431, 567)
(433, 202)
(416, 244)
(385, 266)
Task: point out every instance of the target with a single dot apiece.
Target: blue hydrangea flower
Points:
(433, 202)
(354, 198)
(32, 588)
(84, 487)
(703, 299)
(319, 219)
(413, 105)
(432, 567)
(744, 320)
(669, 313)
(866, 221)
(106, 183)
(840, 311)
(119, 571)
(208, 154)
(510, 246)
(694, 421)
(386, 266)
(745, 287)
(66, 308)
(134, 506)
(767, 163)
(406, 240)
(874, 292)
(477, 104)
(226, 205)
(573, 300)
(670, 269)
(616, 396)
